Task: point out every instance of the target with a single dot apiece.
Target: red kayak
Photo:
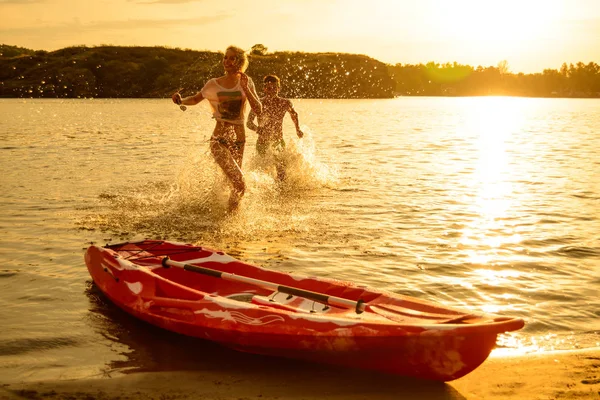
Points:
(205, 293)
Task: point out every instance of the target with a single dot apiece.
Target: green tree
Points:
(259, 50)
(503, 67)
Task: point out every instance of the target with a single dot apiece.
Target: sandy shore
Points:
(558, 375)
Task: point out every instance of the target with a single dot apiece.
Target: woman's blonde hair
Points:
(241, 59)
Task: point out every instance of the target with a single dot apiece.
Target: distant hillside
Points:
(132, 72)
(7, 51)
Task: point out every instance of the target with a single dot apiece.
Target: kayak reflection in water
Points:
(227, 96)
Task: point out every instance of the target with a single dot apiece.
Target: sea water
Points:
(487, 203)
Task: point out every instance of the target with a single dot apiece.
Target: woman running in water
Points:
(227, 96)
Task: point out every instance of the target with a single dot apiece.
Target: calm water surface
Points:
(490, 204)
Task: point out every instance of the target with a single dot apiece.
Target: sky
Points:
(531, 35)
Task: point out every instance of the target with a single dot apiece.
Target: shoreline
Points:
(573, 374)
(395, 96)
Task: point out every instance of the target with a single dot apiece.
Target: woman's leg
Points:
(237, 150)
(230, 167)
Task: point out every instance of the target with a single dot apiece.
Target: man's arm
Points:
(250, 123)
(251, 95)
(294, 116)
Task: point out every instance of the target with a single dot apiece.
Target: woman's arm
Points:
(187, 101)
(251, 95)
(250, 123)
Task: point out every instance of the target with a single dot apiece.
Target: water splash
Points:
(193, 206)
(303, 169)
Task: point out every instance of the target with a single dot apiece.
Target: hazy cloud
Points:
(165, 1)
(158, 23)
(21, 1)
(74, 27)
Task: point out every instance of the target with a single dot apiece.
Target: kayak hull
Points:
(395, 334)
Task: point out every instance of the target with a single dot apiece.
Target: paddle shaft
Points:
(359, 305)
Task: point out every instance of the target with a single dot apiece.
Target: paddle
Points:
(389, 311)
(359, 306)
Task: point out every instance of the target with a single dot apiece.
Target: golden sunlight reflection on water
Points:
(493, 122)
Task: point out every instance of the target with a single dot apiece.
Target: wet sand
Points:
(557, 375)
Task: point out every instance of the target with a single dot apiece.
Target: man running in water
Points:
(270, 122)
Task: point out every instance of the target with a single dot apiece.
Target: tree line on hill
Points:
(156, 72)
(453, 79)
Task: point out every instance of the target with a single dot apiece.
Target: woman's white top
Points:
(227, 104)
